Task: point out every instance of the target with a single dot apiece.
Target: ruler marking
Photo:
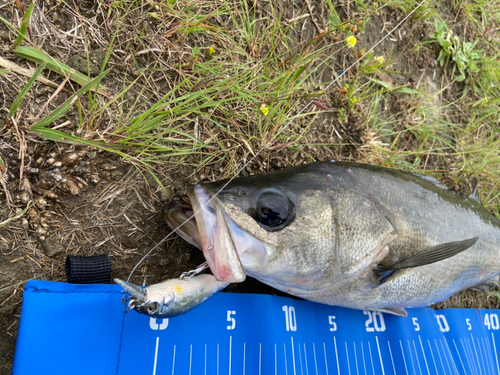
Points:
(482, 349)
(286, 366)
(432, 355)
(156, 355)
(275, 360)
(347, 354)
(474, 359)
(173, 361)
(205, 359)
(230, 352)
(293, 357)
(217, 358)
(363, 356)
(439, 354)
(495, 348)
(326, 362)
(416, 356)
(380, 356)
(300, 360)
(260, 358)
(392, 358)
(423, 353)
(355, 357)
(305, 359)
(487, 354)
(244, 356)
(404, 358)
(451, 356)
(445, 356)
(371, 357)
(475, 352)
(482, 346)
(315, 362)
(411, 357)
(336, 354)
(467, 355)
(459, 357)
(480, 353)
(471, 353)
(490, 354)
(190, 357)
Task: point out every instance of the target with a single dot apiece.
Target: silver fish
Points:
(172, 297)
(344, 234)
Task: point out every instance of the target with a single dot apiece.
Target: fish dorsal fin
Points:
(431, 254)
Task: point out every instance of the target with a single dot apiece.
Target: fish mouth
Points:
(177, 215)
(224, 243)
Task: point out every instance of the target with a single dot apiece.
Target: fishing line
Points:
(273, 138)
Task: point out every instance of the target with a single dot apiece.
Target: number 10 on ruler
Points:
(290, 318)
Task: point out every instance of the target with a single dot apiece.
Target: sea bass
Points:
(344, 234)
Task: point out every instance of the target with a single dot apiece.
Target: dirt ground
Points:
(94, 202)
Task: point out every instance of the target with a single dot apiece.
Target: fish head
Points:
(265, 225)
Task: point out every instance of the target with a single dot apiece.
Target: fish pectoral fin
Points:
(394, 311)
(431, 254)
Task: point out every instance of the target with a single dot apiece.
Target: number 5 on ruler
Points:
(231, 320)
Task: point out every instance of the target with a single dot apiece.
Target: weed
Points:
(463, 54)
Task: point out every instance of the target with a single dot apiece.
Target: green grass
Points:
(245, 73)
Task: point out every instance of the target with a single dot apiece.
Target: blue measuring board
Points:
(84, 329)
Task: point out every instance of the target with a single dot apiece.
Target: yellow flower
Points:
(350, 42)
(379, 59)
(354, 100)
(211, 51)
(264, 109)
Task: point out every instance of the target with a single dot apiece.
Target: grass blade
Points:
(66, 106)
(35, 55)
(24, 25)
(20, 97)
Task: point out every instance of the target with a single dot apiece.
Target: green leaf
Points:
(407, 90)
(38, 56)
(384, 84)
(4, 71)
(24, 25)
(66, 106)
(20, 96)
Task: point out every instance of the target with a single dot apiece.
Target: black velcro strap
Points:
(88, 270)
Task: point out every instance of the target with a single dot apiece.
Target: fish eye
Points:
(273, 210)
(152, 307)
